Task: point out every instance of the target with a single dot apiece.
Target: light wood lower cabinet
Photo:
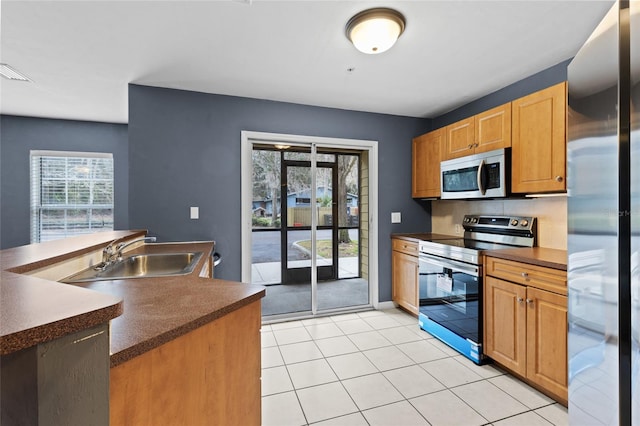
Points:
(404, 275)
(525, 328)
(210, 375)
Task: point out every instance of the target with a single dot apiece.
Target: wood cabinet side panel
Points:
(210, 375)
(130, 392)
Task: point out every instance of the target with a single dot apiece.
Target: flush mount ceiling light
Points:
(375, 30)
(10, 74)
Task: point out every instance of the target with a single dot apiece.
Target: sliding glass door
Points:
(306, 244)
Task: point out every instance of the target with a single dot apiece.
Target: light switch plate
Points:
(195, 213)
(396, 217)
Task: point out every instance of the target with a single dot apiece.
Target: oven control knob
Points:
(467, 220)
(524, 223)
(514, 222)
(474, 220)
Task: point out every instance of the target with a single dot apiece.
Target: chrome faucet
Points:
(122, 246)
(111, 254)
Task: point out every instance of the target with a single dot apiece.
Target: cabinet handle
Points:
(475, 145)
(470, 146)
(525, 275)
(559, 178)
(520, 299)
(529, 301)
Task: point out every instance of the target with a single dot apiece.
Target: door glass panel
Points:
(297, 156)
(325, 158)
(298, 196)
(266, 237)
(324, 200)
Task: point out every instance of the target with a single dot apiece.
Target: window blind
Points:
(71, 194)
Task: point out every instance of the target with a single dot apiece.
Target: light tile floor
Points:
(379, 368)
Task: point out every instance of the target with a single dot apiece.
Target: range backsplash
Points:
(551, 213)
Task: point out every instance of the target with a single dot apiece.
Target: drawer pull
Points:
(525, 275)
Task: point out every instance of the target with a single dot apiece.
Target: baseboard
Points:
(385, 305)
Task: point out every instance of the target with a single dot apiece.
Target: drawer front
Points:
(404, 246)
(554, 280)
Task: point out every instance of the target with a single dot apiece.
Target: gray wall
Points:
(543, 79)
(19, 135)
(184, 150)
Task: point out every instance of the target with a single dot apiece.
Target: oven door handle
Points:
(481, 180)
(451, 264)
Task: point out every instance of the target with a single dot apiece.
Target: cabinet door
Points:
(459, 139)
(426, 164)
(493, 129)
(539, 141)
(505, 319)
(404, 270)
(547, 340)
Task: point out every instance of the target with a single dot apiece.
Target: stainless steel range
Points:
(451, 278)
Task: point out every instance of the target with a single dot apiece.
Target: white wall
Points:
(551, 214)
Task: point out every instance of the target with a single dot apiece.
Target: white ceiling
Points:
(80, 55)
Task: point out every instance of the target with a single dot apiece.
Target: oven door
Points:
(451, 303)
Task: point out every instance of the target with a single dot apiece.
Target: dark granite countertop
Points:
(35, 310)
(540, 256)
(424, 236)
(156, 310)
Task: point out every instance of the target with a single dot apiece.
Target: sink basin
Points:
(141, 266)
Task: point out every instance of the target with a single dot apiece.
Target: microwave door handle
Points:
(481, 177)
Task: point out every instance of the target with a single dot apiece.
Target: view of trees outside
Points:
(267, 185)
(72, 195)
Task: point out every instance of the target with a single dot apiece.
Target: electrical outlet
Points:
(458, 229)
(396, 217)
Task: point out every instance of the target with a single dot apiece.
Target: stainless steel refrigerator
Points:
(603, 184)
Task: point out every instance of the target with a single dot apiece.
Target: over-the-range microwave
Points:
(484, 175)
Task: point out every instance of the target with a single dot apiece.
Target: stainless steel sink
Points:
(140, 266)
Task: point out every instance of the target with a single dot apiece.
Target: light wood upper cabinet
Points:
(493, 129)
(539, 141)
(459, 139)
(426, 158)
(483, 132)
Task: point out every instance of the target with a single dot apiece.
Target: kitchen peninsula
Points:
(180, 348)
